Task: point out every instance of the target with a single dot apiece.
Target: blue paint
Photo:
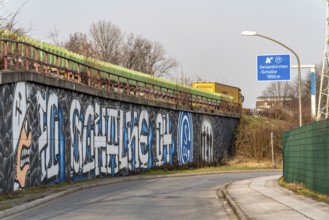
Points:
(61, 177)
(112, 165)
(185, 138)
(149, 144)
(89, 134)
(133, 149)
(76, 137)
(313, 85)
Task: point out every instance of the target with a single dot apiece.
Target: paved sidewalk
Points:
(262, 198)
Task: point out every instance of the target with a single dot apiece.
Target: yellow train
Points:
(215, 87)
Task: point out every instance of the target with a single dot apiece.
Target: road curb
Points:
(234, 205)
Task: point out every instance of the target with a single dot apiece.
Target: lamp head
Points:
(248, 33)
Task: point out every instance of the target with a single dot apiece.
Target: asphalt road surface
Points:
(188, 197)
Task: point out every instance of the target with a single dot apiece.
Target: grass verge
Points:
(208, 169)
(300, 189)
(4, 207)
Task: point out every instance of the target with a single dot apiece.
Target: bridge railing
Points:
(19, 55)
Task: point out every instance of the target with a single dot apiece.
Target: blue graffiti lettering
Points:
(185, 138)
(51, 138)
(105, 141)
(165, 144)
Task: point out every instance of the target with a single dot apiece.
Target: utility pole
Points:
(312, 67)
(323, 103)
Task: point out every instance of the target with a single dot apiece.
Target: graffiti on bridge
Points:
(21, 136)
(185, 138)
(107, 140)
(207, 145)
(76, 137)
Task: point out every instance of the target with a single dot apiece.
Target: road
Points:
(188, 197)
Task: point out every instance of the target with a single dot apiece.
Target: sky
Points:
(204, 36)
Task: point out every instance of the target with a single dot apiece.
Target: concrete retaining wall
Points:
(53, 132)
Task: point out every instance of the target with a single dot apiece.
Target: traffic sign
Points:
(273, 67)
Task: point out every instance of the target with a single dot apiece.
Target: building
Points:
(273, 102)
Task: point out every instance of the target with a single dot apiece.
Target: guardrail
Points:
(19, 55)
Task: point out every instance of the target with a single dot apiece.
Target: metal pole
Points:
(313, 86)
(313, 93)
(323, 92)
(272, 149)
(299, 74)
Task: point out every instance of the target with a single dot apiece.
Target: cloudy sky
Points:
(203, 35)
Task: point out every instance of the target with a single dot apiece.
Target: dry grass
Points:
(253, 139)
(232, 165)
(300, 189)
(252, 163)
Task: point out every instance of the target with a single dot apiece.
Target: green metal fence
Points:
(306, 156)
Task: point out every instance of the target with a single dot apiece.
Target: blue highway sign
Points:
(273, 67)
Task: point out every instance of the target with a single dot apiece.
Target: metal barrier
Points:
(306, 156)
(19, 55)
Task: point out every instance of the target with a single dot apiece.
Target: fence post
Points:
(5, 46)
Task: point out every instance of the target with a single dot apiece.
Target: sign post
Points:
(273, 67)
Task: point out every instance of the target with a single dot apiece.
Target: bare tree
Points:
(306, 94)
(54, 36)
(157, 63)
(280, 89)
(9, 25)
(182, 78)
(2, 2)
(108, 39)
(199, 78)
(79, 43)
(135, 52)
(146, 56)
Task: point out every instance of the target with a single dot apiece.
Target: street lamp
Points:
(253, 33)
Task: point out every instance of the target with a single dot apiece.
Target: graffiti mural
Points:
(165, 144)
(185, 138)
(21, 136)
(59, 135)
(207, 147)
(51, 138)
(139, 135)
(106, 140)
